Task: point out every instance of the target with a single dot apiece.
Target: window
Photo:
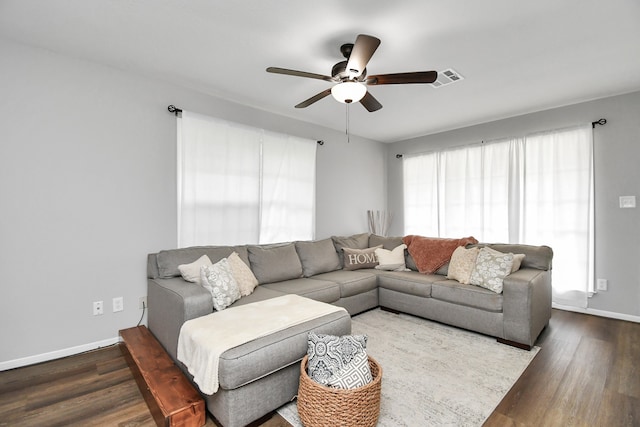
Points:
(534, 190)
(238, 184)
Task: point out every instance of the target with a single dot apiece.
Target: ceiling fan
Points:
(351, 77)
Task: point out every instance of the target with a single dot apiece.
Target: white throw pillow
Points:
(462, 263)
(219, 281)
(245, 278)
(391, 260)
(191, 272)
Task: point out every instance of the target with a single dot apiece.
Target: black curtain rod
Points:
(175, 110)
(600, 122)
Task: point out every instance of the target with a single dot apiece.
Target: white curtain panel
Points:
(288, 188)
(535, 190)
(558, 207)
(238, 184)
(218, 182)
(420, 178)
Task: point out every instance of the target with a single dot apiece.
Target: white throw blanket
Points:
(203, 340)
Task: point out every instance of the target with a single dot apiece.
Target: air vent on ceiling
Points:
(446, 77)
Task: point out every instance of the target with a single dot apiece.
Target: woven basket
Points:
(322, 406)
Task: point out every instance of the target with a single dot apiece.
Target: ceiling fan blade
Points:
(403, 78)
(314, 98)
(296, 73)
(370, 103)
(362, 51)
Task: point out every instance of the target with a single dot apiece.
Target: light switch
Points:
(627, 201)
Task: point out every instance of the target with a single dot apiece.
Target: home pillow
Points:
(328, 354)
(491, 268)
(275, 263)
(317, 257)
(355, 259)
(391, 260)
(219, 281)
(357, 241)
(243, 275)
(462, 263)
(191, 272)
(431, 253)
(355, 374)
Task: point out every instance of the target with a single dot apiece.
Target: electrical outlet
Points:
(118, 304)
(602, 284)
(98, 309)
(142, 303)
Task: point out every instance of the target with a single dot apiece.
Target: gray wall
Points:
(617, 173)
(88, 188)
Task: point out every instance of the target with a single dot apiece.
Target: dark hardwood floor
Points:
(587, 373)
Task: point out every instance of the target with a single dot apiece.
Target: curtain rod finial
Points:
(173, 109)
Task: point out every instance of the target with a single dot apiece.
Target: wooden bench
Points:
(172, 399)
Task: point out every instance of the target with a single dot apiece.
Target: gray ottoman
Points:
(258, 377)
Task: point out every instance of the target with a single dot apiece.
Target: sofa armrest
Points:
(526, 304)
(171, 303)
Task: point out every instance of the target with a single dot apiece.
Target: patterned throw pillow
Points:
(328, 354)
(245, 278)
(219, 281)
(355, 374)
(462, 263)
(360, 258)
(391, 260)
(491, 269)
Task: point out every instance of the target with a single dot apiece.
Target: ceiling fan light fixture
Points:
(348, 92)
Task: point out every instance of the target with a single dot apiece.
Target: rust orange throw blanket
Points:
(431, 253)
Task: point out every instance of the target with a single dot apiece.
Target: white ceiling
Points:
(516, 56)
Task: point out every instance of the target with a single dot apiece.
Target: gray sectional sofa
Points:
(260, 376)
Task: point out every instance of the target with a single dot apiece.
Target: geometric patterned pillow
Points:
(355, 374)
(219, 281)
(328, 354)
(491, 269)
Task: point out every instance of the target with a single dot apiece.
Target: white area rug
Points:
(433, 374)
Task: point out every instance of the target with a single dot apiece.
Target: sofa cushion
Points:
(319, 290)
(169, 260)
(274, 263)
(355, 259)
(408, 282)
(431, 253)
(256, 359)
(317, 257)
(351, 282)
(386, 242)
(467, 295)
(356, 241)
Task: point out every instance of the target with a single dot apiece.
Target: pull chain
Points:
(347, 130)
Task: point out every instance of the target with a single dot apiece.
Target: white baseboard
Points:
(45, 357)
(601, 313)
